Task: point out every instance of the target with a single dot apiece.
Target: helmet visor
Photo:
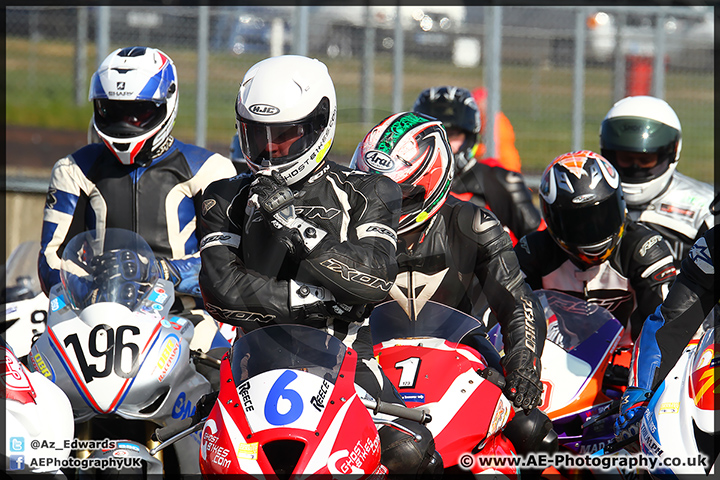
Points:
(636, 134)
(589, 225)
(279, 143)
(125, 119)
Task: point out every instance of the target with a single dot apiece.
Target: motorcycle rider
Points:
(449, 250)
(139, 177)
(493, 187)
(302, 239)
(591, 249)
(642, 137)
(672, 325)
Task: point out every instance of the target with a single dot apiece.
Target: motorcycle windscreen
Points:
(295, 347)
(571, 320)
(388, 320)
(112, 265)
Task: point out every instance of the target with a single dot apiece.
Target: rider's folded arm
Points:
(233, 293)
(355, 272)
(360, 268)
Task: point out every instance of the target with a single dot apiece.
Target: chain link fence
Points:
(380, 61)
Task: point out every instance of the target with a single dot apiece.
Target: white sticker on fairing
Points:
(285, 398)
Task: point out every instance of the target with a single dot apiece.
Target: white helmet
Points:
(135, 97)
(647, 125)
(286, 115)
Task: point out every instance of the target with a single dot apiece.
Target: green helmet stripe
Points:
(399, 127)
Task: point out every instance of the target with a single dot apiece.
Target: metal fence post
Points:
(658, 78)
(578, 126)
(493, 38)
(81, 55)
(398, 62)
(202, 75)
(102, 34)
(368, 74)
(619, 66)
(300, 29)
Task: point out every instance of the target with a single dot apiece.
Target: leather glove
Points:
(315, 306)
(117, 275)
(275, 201)
(632, 407)
(522, 378)
(123, 263)
(182, 273)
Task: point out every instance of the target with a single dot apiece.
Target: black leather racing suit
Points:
(630, 283)
(247, 278)
(502, 191)
(463, 252)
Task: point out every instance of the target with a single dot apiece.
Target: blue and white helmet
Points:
(135, 98)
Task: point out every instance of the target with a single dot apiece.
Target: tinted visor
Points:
(635, 134)
(636, 174)
(125, 119)
(587, 225)
(279, 143)
(413, 198)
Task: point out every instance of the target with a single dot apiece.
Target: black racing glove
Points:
(522, 378)
(276, 203)
(314, 306)
(117, 275)
(118, 263)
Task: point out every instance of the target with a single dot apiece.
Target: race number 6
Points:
(278, 398)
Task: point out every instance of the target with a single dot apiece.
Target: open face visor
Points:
(273, 144)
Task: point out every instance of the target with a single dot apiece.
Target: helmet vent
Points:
(121, 147)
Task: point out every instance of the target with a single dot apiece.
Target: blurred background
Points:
(553, 71)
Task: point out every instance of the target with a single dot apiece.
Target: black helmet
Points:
(583, 205)
(455, 107)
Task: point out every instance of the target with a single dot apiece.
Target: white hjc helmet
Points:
(135, 98)
(647, 125)
(286, 114)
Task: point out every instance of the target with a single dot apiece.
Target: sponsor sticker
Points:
(413, 397)
(169, 354)
(248, 451)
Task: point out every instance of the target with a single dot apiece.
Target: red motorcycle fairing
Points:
(440, 371)
(344, 441)
(432, 370)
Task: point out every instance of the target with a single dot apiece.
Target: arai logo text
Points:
(379, 161)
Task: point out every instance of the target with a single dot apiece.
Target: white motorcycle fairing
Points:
(678, 425)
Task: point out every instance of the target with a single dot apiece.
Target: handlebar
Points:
(166, 433)
(614, 446)
(401, 411)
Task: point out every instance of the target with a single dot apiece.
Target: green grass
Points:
(536, 99)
